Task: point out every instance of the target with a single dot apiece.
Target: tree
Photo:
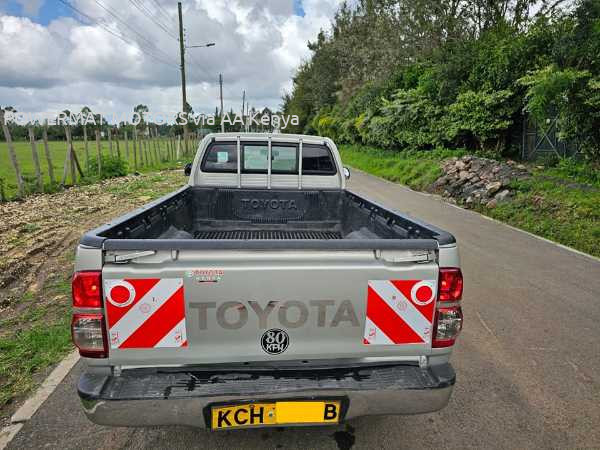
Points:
(140, 110)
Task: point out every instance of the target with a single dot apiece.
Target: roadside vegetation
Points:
(561, 201)
(38, 237)
(468, 74)
(418, 170)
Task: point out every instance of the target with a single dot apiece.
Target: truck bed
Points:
(207, 217)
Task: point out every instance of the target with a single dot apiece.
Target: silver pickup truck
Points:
(264, 293)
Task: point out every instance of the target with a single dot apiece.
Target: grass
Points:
(557, 207)
(41, 338)
(417, 170)
(58, 152)
(560, 203)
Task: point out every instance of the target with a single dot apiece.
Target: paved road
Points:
(528, 362)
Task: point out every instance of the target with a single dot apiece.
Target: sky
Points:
(111, 55)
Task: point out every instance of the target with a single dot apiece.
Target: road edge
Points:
(32, 404)
(441, 199)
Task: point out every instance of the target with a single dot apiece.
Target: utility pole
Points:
(221, 90)
(182, 53)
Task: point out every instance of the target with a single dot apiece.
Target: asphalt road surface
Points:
(528, 361)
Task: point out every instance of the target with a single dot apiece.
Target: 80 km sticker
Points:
(274, 341)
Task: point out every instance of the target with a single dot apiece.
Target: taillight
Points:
(88, 335)
(451, 285)
(448, 323)
(448, 319)
(87, 327)
(86, 288)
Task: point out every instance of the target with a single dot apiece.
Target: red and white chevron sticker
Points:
(145, 313)
(400, 312)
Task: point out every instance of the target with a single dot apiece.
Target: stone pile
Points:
(470, 180)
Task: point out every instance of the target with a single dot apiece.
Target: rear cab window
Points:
(222, 157)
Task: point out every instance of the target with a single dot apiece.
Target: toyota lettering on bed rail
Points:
(264, 267)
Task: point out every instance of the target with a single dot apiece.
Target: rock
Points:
(468, 190)
(476, 166)
(492, 203)
(492, 188)
(440, 182)
(471, 180)
(502, 196)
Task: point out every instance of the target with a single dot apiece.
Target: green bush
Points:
(112, 167)
(482, 117)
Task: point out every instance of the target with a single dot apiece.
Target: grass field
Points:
(58, 151)
(560, 203)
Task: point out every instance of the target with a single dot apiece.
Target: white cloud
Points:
(69, 64)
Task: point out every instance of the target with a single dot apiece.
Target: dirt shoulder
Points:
(38, 237)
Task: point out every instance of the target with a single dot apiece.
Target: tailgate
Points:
(199, 307)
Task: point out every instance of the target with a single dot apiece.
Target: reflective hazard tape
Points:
(145, 313)
(399, 312)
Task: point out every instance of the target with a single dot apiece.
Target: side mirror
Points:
(347, 173)
(187, 170)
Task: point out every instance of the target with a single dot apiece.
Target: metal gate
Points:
(542, 140)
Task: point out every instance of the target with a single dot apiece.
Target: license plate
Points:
(275, 413)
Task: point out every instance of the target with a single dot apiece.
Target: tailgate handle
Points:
(399, 257)
(131, 256)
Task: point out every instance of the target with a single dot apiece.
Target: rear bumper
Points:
(151, 398)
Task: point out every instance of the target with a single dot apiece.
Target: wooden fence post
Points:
(36, 160)
(13, 156)
(71, 156)
(118, 147)
(149, 158)
(86, 148)
(178, 146)
(99, 150)
(144, 157)
(133, 143)
(156, 146)
(76, 161)
(68, 159)
(47, 152)
(110, 147)
(126, 146)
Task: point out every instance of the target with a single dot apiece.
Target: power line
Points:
(149, 43)
(112, 32)
(164, 13)
(144, 10)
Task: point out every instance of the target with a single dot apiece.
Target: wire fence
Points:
(97, 155)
